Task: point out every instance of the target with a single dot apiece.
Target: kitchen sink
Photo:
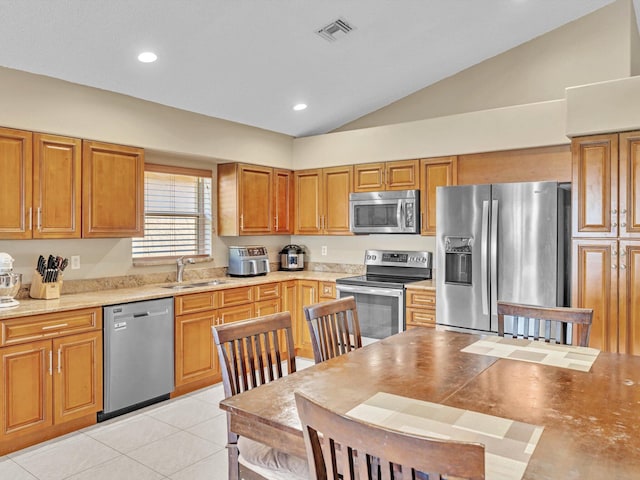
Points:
(182, 286)
(209, 283)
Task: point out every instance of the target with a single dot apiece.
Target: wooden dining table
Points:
(591, 419)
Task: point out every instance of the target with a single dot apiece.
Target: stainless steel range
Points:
(380, 293)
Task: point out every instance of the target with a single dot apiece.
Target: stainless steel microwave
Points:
(385, 212)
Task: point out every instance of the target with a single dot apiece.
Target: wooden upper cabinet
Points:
(338, 183)
(629, 188)
(434, 172)
(595, 186)
(322, 200)
(309, 196)
(254, 200)
(15, 184)
(397, 175)
(57, 186)
(283, 200)
(112, 190)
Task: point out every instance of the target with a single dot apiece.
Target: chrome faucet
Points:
(181, 263)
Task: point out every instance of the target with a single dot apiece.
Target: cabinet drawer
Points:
(421, 317)
(25, 329)
(196, 302)
(267, 291)
(235, 296)
(421, 298)
(327, 290)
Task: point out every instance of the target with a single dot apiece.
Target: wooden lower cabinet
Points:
(49, 386)
(307, 295)
(195, 356)
(420, 308)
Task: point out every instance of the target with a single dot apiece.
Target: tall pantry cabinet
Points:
(606, 237)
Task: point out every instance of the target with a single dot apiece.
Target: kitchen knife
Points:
(65, 262)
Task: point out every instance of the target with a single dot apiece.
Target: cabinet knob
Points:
(623, 224)
(614, 224)
(623, 266)
(623, 211)
(614, 266)
(614, 212)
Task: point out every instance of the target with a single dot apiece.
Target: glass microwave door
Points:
(376, 215)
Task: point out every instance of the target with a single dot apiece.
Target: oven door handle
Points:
(386, 292)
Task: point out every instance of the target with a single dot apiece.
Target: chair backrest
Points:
(251, 352)
(334, 328)
(546, 323)
(343, 447)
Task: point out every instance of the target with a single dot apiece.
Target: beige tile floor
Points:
(179, 439)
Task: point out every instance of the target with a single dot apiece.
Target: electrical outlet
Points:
(75, 262)
(324, 250)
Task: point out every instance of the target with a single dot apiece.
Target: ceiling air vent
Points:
(335, 30)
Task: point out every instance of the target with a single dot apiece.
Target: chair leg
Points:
(234, 466)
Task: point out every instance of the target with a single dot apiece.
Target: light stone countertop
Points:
(100, 298)
(423, 285)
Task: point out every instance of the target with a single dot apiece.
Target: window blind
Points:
(177, 211)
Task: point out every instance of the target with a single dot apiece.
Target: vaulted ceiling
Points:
(251, 61)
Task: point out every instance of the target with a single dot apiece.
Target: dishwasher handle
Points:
(145, 313)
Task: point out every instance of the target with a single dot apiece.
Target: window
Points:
(177, 213)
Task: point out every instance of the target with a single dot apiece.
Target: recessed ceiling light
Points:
(147, 57)
(299, 106)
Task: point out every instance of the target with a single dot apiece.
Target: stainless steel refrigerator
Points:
(508, 242)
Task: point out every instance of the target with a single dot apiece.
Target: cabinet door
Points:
(368, 177)
(283, 201)
(307, 295)
(309, 201)
(630, 185)
(402, 175)
(595, 186)
(595, 285)
(15, 184)
(112, 190)
(434, 172)
(77, 376)
(290, 304)
(57, 186)
(267, 307)
(25, 399)
(629, 297)
(195, 355)
(337, 183)
(327, 291)
(255, 194)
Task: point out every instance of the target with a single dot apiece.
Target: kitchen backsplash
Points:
(190, 275)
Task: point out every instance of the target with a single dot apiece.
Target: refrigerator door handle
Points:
(494, 257)
(484, 272)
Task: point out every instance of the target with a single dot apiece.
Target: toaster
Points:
(249, 261)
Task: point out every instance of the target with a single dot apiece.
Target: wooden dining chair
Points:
(547, 323)
(334, 328)
(252, 353)
(341, 447)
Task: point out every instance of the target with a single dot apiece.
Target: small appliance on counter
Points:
(9, 282)
(249, 261)
(292, 258)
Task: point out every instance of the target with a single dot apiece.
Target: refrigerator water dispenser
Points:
(457, 269)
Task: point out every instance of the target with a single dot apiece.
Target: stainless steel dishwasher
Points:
(138, 355)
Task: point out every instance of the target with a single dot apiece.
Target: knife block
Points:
(42, 290)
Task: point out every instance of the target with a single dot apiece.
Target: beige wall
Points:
(591, 49)
(38, 103)
(507, 128)
(635, 44)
